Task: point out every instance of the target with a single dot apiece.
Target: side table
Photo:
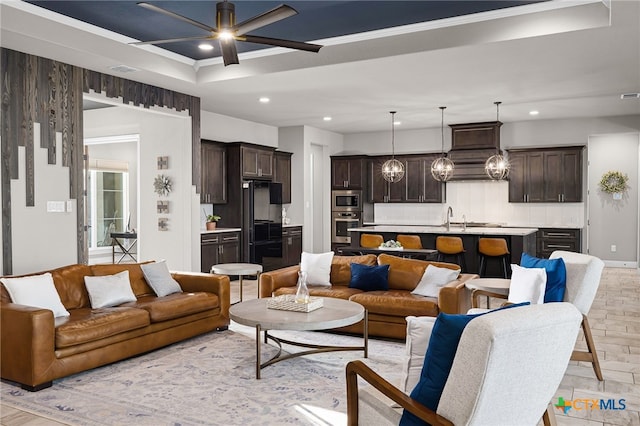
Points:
(490, 287)
(239, 269)
(126, 247)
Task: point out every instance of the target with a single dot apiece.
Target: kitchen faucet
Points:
(449, 216)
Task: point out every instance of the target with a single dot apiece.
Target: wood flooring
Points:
(615, 324)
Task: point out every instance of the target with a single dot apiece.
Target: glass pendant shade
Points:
(497, 166)
(392, 170)
(442, 167)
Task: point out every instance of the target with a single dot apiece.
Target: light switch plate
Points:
(69, 206)
(55, 206)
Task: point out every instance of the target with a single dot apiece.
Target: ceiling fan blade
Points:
(309, 47)
(229, 51)
(175, 15)
(274, 15)
(172, 40)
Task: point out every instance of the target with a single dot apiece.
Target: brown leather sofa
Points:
(387, 309)
(36, 348)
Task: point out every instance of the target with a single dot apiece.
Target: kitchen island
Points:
(519, 240)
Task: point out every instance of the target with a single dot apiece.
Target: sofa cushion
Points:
(87, 325)
(369, 278)
(404, 274)
(341, 267)
(136, 277)
(556, 275)
(36, 291)
(527, 285)
(318, 267)
(399, 303)
(337, 292)
(175, 305)
(109, 290)
(433, 279)
(159, 278)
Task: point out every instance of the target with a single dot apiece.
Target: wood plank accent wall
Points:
(36, 89)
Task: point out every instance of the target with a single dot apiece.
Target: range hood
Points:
(471, 145)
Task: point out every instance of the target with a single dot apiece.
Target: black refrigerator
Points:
(262, 223)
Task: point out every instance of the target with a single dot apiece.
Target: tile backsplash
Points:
(482, 201)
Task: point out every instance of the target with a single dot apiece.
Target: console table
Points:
(129, 240)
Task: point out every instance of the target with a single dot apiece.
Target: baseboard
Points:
(620, 264)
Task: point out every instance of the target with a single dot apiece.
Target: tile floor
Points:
(615, 323)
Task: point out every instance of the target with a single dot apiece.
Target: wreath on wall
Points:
(614, 182)
(162, 185)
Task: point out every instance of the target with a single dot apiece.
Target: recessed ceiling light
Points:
(205, 46)
(327, 118)
(264, 100)
(534, 112)
(397, 123)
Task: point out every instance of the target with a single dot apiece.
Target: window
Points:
(107, 196)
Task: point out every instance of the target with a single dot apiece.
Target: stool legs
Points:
(482, 270)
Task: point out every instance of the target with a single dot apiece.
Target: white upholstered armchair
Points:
(506, 370)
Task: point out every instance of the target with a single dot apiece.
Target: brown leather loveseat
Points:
(36, 348)
(387, 309)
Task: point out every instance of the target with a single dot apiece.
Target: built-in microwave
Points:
(346, 201)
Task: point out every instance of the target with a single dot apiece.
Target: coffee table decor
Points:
(287, 302)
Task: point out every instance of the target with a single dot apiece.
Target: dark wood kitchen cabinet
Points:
(257, 162)
(348, 172)
(219, 247)
(214, 172)
(282, 174)
(548, 175)
(291, 245)
(381, 191)
(420, 186)
(552, 239)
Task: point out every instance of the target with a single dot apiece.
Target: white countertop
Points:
(219, 230)
(443, 230)
(290, 225)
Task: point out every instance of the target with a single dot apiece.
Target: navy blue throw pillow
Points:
(445, 336)
(369, 278)
(556, 276)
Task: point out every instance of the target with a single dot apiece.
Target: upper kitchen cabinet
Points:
(420, 186)
(549, 175)
(380, 190)
(348, 172)
(257, 161)
(214, 172)
(282, 174)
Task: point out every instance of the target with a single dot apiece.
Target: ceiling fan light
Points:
(225, 35)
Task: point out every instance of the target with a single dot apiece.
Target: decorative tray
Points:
(287, 302)
(391, 248)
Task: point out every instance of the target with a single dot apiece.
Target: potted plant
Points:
(212, 220)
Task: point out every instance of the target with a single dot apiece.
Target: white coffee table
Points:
(490, 287)
(334, 313)
(239, 269)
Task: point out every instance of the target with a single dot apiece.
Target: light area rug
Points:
(210, 379)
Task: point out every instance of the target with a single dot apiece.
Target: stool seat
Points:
(410, 241)
(451, 246)
(493, 248)
(371, 240)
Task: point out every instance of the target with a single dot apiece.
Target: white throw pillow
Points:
(318, 267)
(418, 336)
(159, 278)
(527, 284)
(433, 278)
(37, 291)
(109, 290)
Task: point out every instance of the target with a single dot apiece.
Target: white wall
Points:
(42, 240)
(162, 133)
(222, 128)
(613, 222)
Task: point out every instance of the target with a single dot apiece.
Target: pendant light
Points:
(497, 166)
(442, 167)
(392, 170)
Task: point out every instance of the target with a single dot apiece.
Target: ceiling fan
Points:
(227, 31)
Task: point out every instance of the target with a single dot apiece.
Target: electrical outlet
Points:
(614, 248)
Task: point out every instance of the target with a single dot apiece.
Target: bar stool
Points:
(371, 240)
(493, 248)
(409, 241)
(451, 246)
